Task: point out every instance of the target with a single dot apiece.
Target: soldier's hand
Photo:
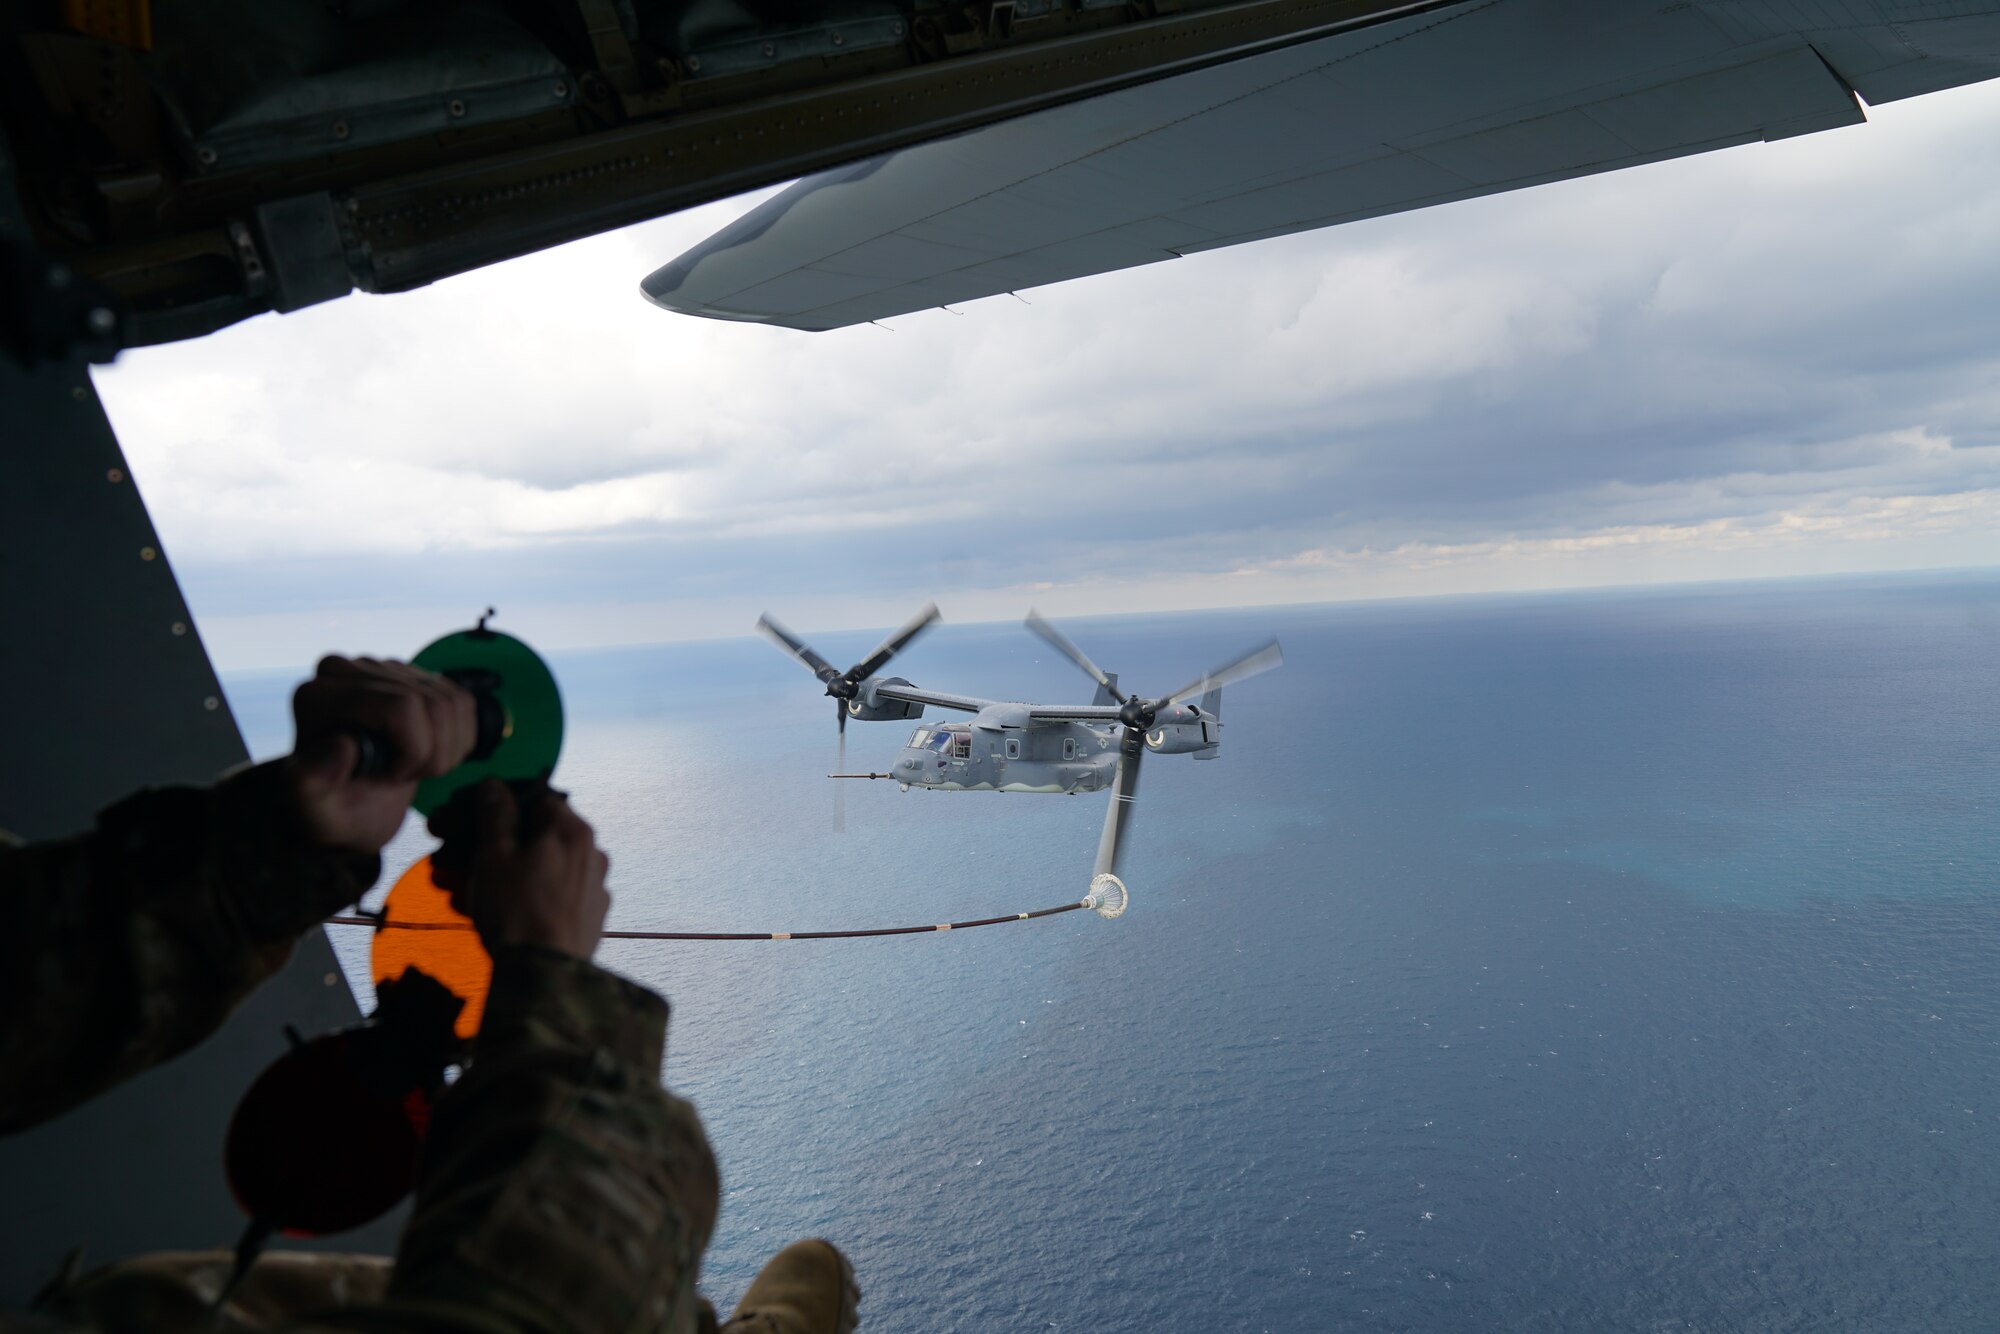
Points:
(428, 725)
(526, 872)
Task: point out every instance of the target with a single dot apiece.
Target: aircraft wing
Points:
(936, 698)
(1473, 99)
(1073, 713)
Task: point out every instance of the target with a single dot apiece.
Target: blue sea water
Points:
(1578, 962)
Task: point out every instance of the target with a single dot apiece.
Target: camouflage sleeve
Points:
(562, 1189)
(129, 944)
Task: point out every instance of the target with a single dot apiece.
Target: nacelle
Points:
(1183, 738)
(869, 706)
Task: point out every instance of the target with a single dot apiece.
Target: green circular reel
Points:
(521, 723)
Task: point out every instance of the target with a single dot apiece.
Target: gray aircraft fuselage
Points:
(1064, 757)
(1003, 750)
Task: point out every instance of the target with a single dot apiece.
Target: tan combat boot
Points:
(807, 1288)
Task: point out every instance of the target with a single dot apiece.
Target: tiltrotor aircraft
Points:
(1010, 746)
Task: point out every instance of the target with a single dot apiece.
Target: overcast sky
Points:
(1777, 360)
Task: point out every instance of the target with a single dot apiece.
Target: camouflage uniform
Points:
(561, 1189)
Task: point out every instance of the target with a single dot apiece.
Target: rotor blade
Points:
(1060, 642)
(840, 789)
(1118, 815)
(1257, 660)
(894, 644)
(795, 646)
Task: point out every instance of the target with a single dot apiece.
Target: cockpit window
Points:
(958, 745)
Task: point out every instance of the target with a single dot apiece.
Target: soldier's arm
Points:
(562, 1188)
(130, 943)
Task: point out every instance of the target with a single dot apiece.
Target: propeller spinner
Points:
(844, 686)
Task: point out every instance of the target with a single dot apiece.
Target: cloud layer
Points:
(1776, 359)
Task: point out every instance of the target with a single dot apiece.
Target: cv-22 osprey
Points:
(1010, 746)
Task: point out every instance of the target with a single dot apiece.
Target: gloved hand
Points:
(523, 866)
(426, 724)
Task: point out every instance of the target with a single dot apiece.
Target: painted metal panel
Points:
(897, 255)
(805, 290)
(1397, 179)
(1566, 141)
(1455, 103)
(105, 688)
(1727, 104)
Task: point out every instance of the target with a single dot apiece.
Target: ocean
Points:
(1591, 961)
